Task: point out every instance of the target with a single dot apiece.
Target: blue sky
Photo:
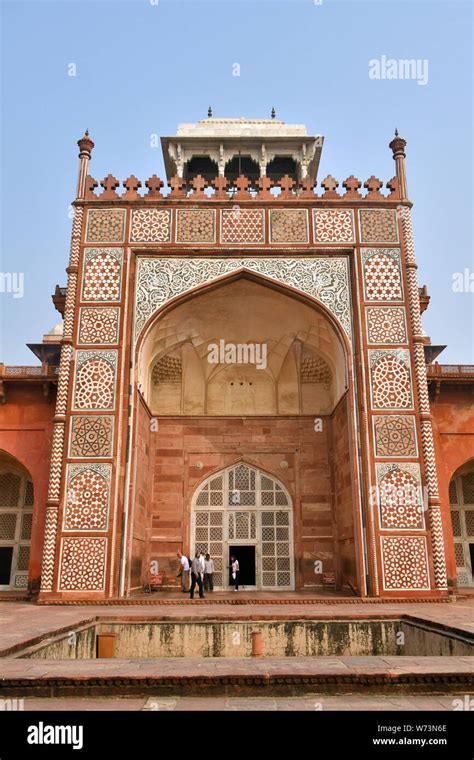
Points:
(144, 66)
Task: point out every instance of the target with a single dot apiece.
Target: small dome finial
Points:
(273, 113)
(397, 145)
(85, 143)
(209, 113)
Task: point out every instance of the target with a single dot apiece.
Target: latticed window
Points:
(468, 488)
(16, 520)
(9, 489)
(243, 506)
(461, 497)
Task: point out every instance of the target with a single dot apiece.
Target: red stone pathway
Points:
(307, 703)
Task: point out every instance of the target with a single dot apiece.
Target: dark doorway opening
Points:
(246, 557)
(6, 556)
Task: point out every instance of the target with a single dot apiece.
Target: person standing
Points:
(208, 573)
(234, 563)
(202, 560)
(196, 570)
(184, 573)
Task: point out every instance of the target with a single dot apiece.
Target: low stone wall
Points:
(142, 640)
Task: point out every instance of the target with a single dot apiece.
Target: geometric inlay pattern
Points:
(378, 226)
(395, 436)
(83, 564)
(386, 324)
(105, 226)
(289, 226)
(333, 226)
(95, 380)
(87, 500)
(151, 225)
(102, 274)
(99, 325)
(382, 276)
(195, 226)
(158, 280)
(391, 379)
(91, 436)
(242, 226)
(405, 563)
(400, 495)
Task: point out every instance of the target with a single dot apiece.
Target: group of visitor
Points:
(200, 571)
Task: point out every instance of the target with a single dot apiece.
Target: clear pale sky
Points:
(144, 66)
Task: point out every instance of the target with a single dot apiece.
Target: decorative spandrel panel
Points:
(378, 226)
(151, 225)
(386, 324)
(242, 226)
(91, 436)
(289, 226)
(395, 436)
(99, 325)
(400, 496)
(82, 565)
(405, 563)
(105, 225)
(94, 385)
(102, 278)
(158, 280)
(390, 375)
(87, 497)
(333, 226)
(382, 274)
(196, 225)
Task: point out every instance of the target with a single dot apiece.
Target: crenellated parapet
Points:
(243, 188)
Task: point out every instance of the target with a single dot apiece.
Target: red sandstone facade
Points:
(333, 468)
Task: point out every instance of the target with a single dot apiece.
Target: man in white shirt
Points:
(234, 563)
(203, 563)
(184, 572)
(208, 573)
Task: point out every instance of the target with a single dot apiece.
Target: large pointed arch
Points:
(145, 353)
(143, 418)
(327, 287)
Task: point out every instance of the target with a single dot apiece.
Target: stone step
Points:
(292, 675)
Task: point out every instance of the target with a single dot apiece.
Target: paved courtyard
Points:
(306, 703)
(233, 684)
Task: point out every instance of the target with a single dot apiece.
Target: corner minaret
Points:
(398, 148)
(85, 150)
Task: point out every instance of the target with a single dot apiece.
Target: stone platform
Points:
(278, 676)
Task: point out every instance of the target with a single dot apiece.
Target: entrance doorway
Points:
(243, 510)
(246, 559)
(6, 556)
(16, 519)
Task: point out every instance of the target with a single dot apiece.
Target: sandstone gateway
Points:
(343, 462)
